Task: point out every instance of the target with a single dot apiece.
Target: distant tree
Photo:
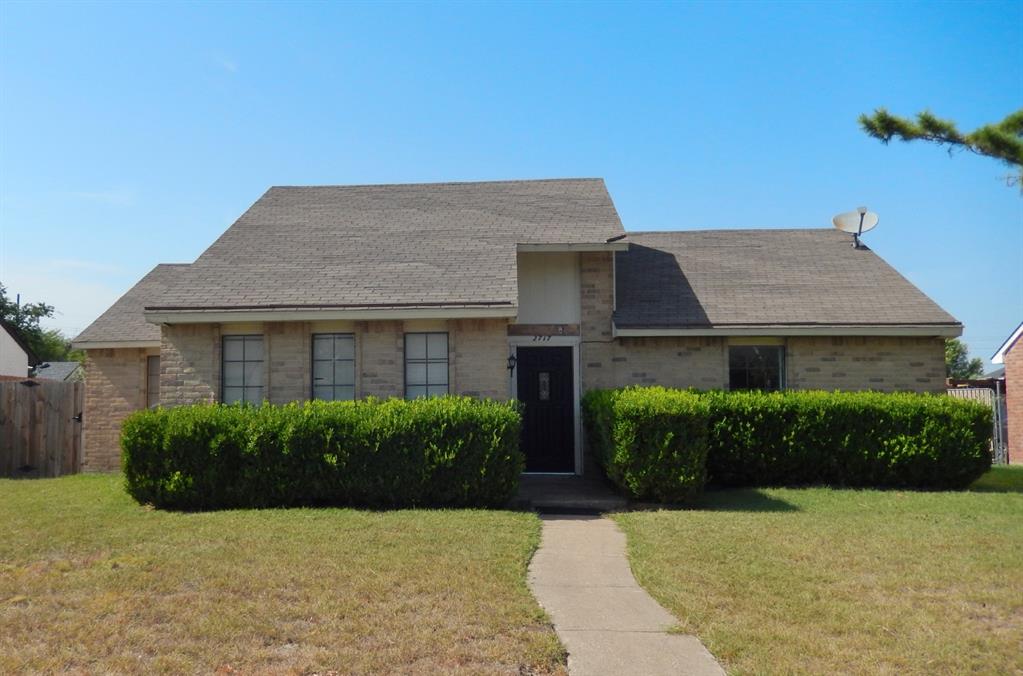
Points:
(48, 344)
(1001, 140)
(958, 363)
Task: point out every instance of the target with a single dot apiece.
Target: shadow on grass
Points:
(743, 500)
(999, 480)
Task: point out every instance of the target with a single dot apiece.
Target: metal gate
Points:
(996, 400)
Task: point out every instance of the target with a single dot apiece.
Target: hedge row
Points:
(653, 441)
(447, 451)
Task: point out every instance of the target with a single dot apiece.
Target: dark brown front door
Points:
(545, 384)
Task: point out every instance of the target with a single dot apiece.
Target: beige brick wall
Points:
(189, 364)
(597, 347)
(379, 361)
(288, 348)
(115, 385)
(668, 361)
(886, 364)
(1014, 401)
(479, 357)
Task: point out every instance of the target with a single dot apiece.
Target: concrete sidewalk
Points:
(609, 625)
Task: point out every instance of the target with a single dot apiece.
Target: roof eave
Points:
(295, 314)
(999, 356)
(936, 330)
(553, 247)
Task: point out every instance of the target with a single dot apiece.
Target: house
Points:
(64, 371)
(1010, 354)
(525, 289)
(15, 355)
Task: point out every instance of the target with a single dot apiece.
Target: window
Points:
(756, 367)
(426, 364)
(243, 369)
(333, 366)
(152, 381)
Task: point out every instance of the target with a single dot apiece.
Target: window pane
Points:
(344, 373)
(323, 347)
(344, 393)
(233, 350)
(415, 346)
(437, 390)
(415, 374)
(323, 373)
(344, 347)
(253, 348)
(253, 395)
(253, 374)
(233, 374)
(232, 395)
(759, 367)
(437, 345)
(437, 374)
(413, 391)
(323, 392)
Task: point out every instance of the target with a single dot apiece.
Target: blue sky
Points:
(133, 134)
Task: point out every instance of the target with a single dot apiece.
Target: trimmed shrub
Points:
(446, 451)
(788, 438)
(651, 441)
(847, 439)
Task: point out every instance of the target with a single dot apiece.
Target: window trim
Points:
(313, 360)
(447, 360)
(782, 364)
(223, 361)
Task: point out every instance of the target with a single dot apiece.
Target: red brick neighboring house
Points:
(1011, 355)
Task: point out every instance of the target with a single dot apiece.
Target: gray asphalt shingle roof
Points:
(718, 278)
(390, 245)
(124, 321)
(57, 370)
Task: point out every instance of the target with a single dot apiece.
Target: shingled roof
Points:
(379, 246)
(763, 278)
(124, 322)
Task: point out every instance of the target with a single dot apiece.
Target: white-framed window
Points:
(152, 381)
(756, 367)
(333, 366)
(426, 364)
(242, 369)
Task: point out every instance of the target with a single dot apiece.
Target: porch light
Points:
(511, 364)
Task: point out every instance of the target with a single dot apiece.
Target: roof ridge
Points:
(730, 230)
(440, 183)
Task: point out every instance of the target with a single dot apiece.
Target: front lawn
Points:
(820, 581)
(92, 582)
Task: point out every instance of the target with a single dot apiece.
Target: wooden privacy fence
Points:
(40, 428)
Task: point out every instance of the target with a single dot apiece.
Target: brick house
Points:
(1010, 354)
(525, 289)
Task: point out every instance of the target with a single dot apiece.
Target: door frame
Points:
(514, 342)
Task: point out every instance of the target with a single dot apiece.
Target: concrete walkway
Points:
(609, 625)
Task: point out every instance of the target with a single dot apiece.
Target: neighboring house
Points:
(1011, 355)
(15, 355)
(526, 289)
(64, 371)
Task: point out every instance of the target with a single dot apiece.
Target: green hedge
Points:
(847, 439)
(446, 451)
(652, 442)
(640, 435)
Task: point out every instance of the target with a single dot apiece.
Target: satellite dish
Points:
(856, 223)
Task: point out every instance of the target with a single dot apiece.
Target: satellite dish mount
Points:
(856, 223)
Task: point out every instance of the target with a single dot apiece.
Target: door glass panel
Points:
(544, 389)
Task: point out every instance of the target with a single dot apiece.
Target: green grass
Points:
(822, 581)
(91, 582)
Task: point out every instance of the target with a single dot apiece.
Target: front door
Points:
(545, 387)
